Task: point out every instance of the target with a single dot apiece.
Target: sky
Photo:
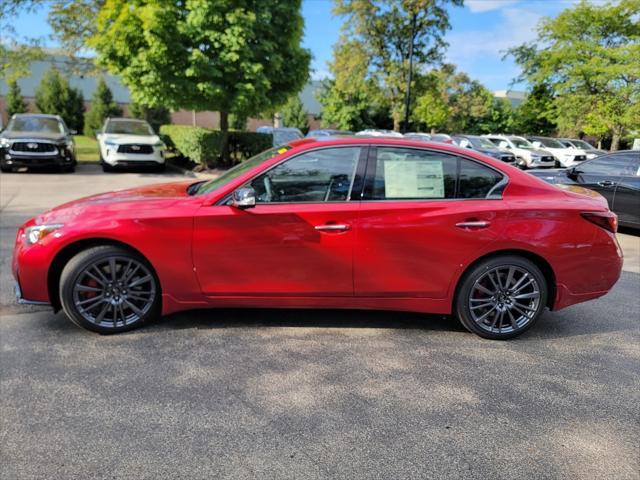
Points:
(480, 33)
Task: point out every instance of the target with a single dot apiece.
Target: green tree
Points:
(155, 116)
(55, 96)
(15, 102)
(381, 32)
(499, 118)
(588, 56)
(535, 116)
(450, 100)
(102, 106)
(16, 52)
(294, 115)
(232, 57)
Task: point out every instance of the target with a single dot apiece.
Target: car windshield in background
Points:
(241, 168)
(282, 137)
(128, 128)
(35, 124)
(521, 143)
(480, 142)
(549, 142)
(582, 144)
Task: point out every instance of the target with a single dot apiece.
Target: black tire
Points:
(106, 167)
(504, 305)
(4, 169)
(161, 168)
(521, 164)
(104, 296)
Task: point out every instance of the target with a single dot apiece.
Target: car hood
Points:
(123, 139)
(56, 137)
(120, 202)
(494, 151)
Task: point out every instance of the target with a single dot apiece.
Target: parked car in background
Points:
(442, 138)
(37, 140)
(483, 145)
(327, 133)
(527, 156)
(418, 136)
(127, 142)
(365, 223)
(615, 176)
(590, 150)
(372, 132)
(281, 135)
(565, 156)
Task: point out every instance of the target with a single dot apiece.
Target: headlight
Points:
(69, 144)
(110, 143)
(4, 142)
(35, 233)
(159, 145)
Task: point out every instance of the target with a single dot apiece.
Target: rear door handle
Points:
(473, 224)
(333, 227)
(606, 183)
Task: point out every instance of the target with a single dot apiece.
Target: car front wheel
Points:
(501, 297)
(109, 289)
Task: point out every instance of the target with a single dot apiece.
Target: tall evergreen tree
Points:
(15, 102)
(294, 115)
(102, 107)
(156, 116)
(54, 96)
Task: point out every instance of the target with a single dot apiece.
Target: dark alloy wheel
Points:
(109, 289)
(501, 297)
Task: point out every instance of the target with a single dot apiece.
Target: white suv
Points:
(527, 156)
(125, 142)
(565, 156)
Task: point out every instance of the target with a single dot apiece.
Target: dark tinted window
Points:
(402, 173)
(613, 165)
(476, 181)
(318, 176)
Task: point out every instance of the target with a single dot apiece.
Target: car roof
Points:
(124, 119)
(40, 115)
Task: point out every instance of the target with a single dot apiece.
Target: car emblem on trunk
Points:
(32, 146)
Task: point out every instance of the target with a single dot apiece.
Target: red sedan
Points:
(365, 223)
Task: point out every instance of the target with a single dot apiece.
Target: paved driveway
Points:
(319, 394)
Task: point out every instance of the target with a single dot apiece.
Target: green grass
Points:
(86, 149)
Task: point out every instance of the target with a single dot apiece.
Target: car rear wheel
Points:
(501, 297)
(108, 289)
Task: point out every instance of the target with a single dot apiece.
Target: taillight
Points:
(606, 220)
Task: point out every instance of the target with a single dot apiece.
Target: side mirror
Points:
(244, 197)
(469, 146)
(73, 132)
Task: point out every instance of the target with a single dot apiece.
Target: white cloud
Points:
(478, 6)
(516, 27)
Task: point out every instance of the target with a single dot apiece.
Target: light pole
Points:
(407, 98)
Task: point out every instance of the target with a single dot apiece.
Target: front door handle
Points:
(473, 224)
(333, 227)
(606, 183)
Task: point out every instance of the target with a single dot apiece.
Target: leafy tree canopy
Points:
(294, 115)
(15, 102)
(102, 107)
(54, 96)
(588, 56)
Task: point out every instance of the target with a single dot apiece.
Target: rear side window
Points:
(615, 165)
(402, 173)
(410, 174)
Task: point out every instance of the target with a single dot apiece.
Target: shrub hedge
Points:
(204, 146)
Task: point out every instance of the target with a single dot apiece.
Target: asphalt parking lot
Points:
(311, 394)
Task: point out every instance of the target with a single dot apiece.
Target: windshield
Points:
(35, 124)
(480, 142)
(241, 168)
(280, 137)
(128, 127)
(582, 144)
(521, 143)
(549, 142)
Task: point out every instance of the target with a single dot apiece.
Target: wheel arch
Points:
(69, 251)
(542, 263)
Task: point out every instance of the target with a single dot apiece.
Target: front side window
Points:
(325, 175)
(409, 174)
(612, 165)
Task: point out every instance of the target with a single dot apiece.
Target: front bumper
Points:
(118, 159)
(23, 301)
(21, 161)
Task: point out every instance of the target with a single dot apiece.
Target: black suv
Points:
(36, 140)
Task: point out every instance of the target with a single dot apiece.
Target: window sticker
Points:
(414, 179)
